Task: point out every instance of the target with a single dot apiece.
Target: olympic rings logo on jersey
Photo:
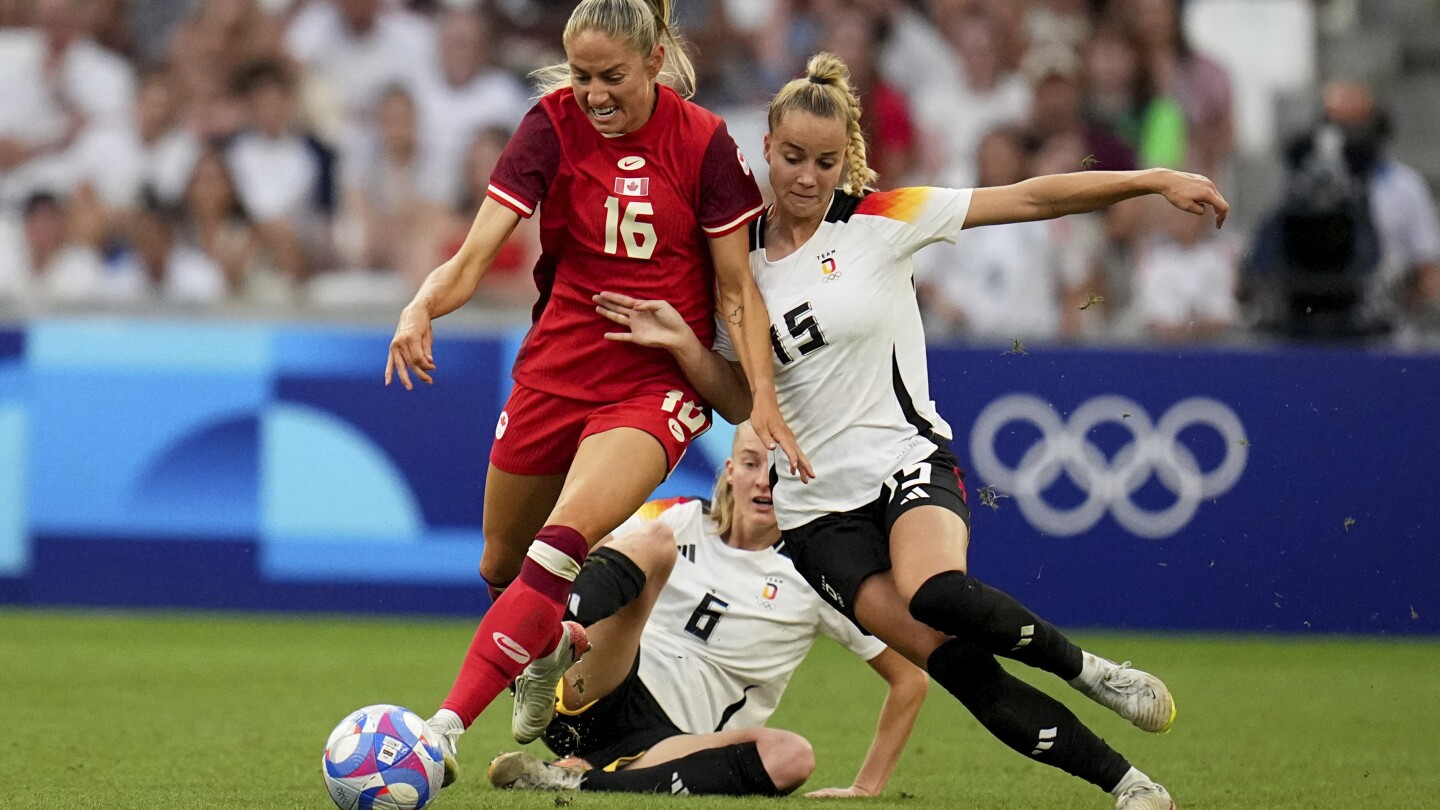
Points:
(1109, 484)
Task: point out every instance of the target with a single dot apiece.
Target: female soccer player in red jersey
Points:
(883, 535)
(638, 190)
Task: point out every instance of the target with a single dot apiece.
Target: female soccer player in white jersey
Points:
(692, 651)
(882, 532)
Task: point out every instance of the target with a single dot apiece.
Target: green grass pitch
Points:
(160, 711)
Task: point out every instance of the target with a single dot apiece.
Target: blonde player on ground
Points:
(883, 531)
(698, 622)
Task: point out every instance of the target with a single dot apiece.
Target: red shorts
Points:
(539, 433)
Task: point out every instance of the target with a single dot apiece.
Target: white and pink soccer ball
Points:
(383, 757)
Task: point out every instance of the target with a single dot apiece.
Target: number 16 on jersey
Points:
(639, 235)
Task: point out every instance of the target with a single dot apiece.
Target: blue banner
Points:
(266, 467)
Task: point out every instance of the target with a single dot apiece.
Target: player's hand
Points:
(650, 323)
(1192, 192)
(851, 792)
(410, 349)
(770, 426)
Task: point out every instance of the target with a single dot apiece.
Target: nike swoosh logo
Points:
(631, 163)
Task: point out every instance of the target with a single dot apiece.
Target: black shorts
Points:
(613, 730)
(837, 552)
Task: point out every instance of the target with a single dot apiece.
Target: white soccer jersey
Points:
(849, 346)
(730, 627)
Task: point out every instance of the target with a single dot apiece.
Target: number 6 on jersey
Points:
(639, 236)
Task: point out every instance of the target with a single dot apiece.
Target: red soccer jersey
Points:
(632, 214)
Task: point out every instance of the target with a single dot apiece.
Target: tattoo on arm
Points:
(737, 315)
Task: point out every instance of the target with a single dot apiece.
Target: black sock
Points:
(735, 770)
(608, 582)
(964, 607)
(1023, 717)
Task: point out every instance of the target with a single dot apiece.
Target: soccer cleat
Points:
(1145, 796)
(535, 688)
(522, 771)
(1134, 694)
(446, 737)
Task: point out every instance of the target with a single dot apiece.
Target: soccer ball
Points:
(383, 757)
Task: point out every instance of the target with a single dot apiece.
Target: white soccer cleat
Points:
(522, 771)
(445, 736)
(535, 688)
(1134, 694)
(1145, 796)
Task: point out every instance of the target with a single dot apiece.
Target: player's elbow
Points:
(789, 758)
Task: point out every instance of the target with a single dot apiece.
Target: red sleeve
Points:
(528, 165)
(729, 197)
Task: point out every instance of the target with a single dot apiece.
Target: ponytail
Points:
(722, 504)
(825, 92)
(641, 24)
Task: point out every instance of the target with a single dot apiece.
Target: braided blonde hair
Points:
(825, 92)
(641, 24)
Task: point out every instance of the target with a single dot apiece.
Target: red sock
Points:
(523, 624)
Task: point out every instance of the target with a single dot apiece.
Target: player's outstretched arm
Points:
(445, 290)
(657, 324)
(743, 312)
(1055, 195)
(908, 685)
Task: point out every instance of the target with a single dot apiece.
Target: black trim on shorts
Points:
(837, 552)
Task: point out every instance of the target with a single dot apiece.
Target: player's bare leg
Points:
(615, 641)
(515, 510)
(524, 624)
(928, 549)
(751, 761)
(599, 494)
(928, 553)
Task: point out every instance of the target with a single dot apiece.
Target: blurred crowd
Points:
(330, 153)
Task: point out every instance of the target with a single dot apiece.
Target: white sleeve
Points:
(850, 637)
(1422, 240)
(911, 218)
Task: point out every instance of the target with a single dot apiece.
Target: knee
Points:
(652, 547)
(496, 571)
(940, 601)
(789, 759)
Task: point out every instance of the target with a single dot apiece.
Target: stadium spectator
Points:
(1058, 23)
(990, 95)
(459, 96)
(1199, 84)
(1185, 281)
(162, 264)
(45, 261)
(1123, 96)
(854, 35)
(1000, 283)
(219, 38)
(60, 91)
(630, 718)
(217, 222)
(1401, 205)
(1058, 110)
(281, 174)
(351, 50)
(384, 209)
(164, 151)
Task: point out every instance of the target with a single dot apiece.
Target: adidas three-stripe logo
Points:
(1047, 741)
(1027, 635)
(677, 787)
(915, 494)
